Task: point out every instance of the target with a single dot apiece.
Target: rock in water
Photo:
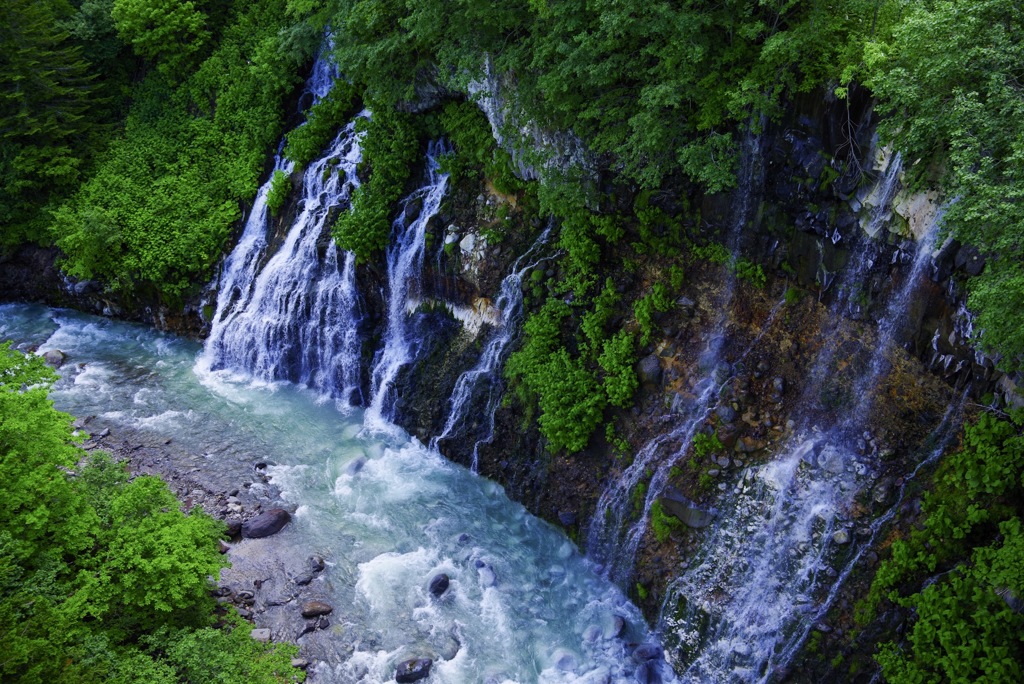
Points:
(312, 609)
(645, 652)
(439, 584)
(54, 358)
(647, 673)
(261, 635)
(265, 524)
(413, 670)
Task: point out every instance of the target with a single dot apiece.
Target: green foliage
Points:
(466, 127)
(955, 102)
(47, 114)
(306, 142)
(751, 272)
(571, 402)
(162, 199)
(168, 32)
(660, 233)
(714, 252)
(676, 277)
(618, 359)
(965, 627)
(570, 398)
(95, 567)
(706, 444)
(638, 495)
(663, 523)
(594, 323)
(658, 300)
(280, 187)
(793, 296)
(390, 148)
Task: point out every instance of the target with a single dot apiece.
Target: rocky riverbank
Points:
(279, 592)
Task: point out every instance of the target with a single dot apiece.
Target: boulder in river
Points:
(413, 670)
(439, 584)
(648, 651)
(54, 358)
(265, 524)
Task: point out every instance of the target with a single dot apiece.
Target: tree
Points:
(169, 32)
(45, 92)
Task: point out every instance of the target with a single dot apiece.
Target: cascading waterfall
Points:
(487, 368)
(297, 319)
(616, 530)
(741, 607)
(404, 266)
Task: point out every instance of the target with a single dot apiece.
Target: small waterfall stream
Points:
(745, 602)
(404, 267)
(487, 370)
(616, 529)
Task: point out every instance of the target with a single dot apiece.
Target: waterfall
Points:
(612, 539)
(488, 367)
(296, 320)
(749, 597)
(883, 192)
(404, 266)
(616, 529)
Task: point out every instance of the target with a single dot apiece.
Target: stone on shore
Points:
(265, 524)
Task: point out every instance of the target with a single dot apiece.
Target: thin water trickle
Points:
(619, 523)
(488, 367)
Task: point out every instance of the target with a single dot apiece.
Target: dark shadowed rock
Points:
(234, 526)
(313, 625)
(311, 609)
(567, 518)
(265, 524)
(439, 584)
(647, 673)
(649, 370)
(645, 652)
(969, 259)
(674, 503)
(413, 670)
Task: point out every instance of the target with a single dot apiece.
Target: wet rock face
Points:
(674, 503)
(30, 274)
(54, 358)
